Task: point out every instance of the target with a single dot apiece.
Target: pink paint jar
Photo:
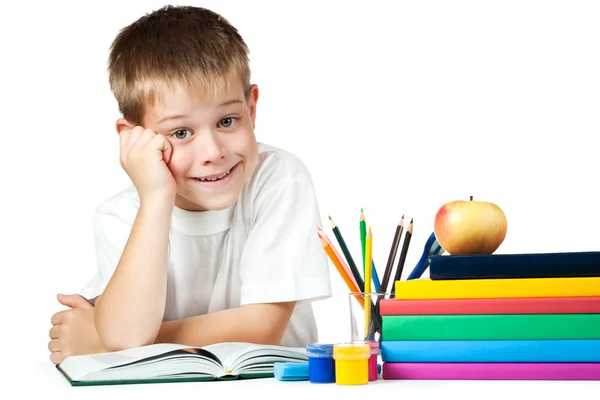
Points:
(373, 367)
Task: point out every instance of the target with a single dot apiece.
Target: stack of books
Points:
(496, 317)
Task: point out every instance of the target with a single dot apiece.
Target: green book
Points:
(491, 327)
(162, 363)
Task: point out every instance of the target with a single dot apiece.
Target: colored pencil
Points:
(338, 265)
(402, 259)
(367, 299)
(392, 256)
(363, 234)
(338, 255)
(349, 259)
(389, 266)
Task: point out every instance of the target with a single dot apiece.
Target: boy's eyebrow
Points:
(169, 117)
(179, 116)
(230, 102)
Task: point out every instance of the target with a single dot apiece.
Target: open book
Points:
(178, 363)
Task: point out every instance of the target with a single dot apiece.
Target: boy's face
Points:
(214, 147)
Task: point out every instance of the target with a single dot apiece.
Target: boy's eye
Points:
(227, 122)
(181, 133)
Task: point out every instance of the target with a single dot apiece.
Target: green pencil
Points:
(363, 236)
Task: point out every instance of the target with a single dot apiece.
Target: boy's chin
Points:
(212, 204)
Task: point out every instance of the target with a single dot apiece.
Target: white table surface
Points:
(40, 377)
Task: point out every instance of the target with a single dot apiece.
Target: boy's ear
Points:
(122, 124)
(252, 100)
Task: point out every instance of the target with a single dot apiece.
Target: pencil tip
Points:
(361, 209)
(411, 220)
(329, 216)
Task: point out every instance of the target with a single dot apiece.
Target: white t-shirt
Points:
(262, 249)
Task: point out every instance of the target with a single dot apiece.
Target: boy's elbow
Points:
(116, 337)
(117, 342)
(270, 334)
(275, 319)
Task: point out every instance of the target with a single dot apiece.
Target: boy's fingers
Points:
(54, 332)
(54, 345)
(161, 144)
(57, 357)
(130, 138)
(74, 301)
(144, 137)
(125, 138)
(59, 317)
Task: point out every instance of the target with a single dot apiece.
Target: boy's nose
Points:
(211, 149)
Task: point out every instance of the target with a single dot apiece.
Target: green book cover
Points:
(165, 363)
(491, 327)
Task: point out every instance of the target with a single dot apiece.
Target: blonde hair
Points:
(185, 45)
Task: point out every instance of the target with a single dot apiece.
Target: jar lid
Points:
(319, 350)
(373, 345)
(351, 350)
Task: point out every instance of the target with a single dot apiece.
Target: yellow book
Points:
(420, 289)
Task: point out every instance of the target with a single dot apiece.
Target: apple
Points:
(470, 227)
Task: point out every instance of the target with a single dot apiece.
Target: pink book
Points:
(492, 371)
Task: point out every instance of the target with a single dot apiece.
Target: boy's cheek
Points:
(180, 162)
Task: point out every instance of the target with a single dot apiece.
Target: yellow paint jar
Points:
(351, 363)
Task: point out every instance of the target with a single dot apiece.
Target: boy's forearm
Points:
(132, 305)
(255, 323)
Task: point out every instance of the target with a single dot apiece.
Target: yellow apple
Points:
(470, 227)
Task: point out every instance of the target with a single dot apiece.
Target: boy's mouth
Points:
(217, 177)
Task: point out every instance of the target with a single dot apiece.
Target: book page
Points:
(239, 354)
(79, 366)
(226, 351)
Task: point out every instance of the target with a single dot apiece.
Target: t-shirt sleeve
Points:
(283, 259)
(111, 232)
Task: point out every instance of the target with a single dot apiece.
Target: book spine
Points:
(498, 288)
(492, 371)
(518, 305)
(576, 264)
(490, 351)
(491, 327)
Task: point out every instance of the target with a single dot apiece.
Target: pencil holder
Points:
(365, 319)
(321, 365)
(351, 363)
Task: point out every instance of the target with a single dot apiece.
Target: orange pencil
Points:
(341, 270)
(339, 256)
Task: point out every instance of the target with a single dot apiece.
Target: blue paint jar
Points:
(321, 365)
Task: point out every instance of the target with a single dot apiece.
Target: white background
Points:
(397, 107)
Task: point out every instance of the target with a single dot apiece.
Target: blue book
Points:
(487, 351)
(532, 265)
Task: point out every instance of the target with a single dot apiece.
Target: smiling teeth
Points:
(216, 178)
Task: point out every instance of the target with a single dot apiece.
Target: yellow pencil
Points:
(367, 299)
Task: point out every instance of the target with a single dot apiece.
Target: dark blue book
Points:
(530, 265)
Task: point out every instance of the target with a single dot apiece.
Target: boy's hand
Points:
(144, 156)
(73, 331)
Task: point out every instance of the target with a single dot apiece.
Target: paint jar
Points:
(373, 365)
(351, 363)
(321, 365)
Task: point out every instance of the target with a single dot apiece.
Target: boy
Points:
(216, 239)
